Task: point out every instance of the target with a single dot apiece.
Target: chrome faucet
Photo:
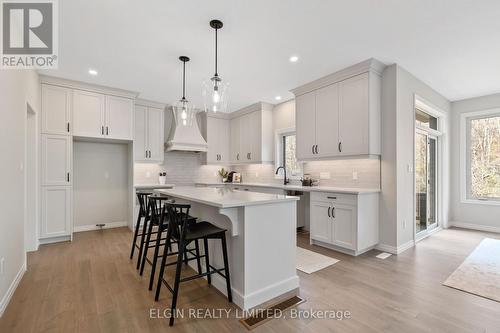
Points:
(285, 180)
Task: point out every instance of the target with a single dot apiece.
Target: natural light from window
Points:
(286, 147)
(484, 158)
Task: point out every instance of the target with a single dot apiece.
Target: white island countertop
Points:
(293, 187)
(152, 186)
(224, 197)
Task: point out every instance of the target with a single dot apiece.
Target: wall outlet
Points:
(324, 175)
(2, 266)
(354, 175)
(410, 168)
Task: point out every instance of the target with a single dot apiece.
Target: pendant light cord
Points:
(216, 52)
(183, 80)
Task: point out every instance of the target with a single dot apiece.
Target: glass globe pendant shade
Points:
(184, 113)
(215, 93)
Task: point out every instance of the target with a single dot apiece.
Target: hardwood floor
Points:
(90, 285)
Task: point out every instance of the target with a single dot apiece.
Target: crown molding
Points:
(371, 65)
(56, 81)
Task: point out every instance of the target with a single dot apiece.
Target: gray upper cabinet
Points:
(339, 115)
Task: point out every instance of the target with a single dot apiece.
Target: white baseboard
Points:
(90, 227)
(51, 240)
(395, 250)
(479, 227)
(12, 288)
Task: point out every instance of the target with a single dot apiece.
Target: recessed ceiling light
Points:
(294, 59)
(92, 72)
(278, 98)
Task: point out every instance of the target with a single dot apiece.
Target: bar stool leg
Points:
(207, 260)
(168, 246)
(136, 232)
(155, 258)
(143, 236)
(197, 249)
(226, 268)
(176, 283)
(146, 246)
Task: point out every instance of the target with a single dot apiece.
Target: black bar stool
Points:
(154, 209)
(184, 234)
(142, 199)
(160, 220)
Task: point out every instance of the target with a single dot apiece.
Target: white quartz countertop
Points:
(301, 188)
(224, 197)
(152, 186)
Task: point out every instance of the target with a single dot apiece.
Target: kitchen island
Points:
(261, 233)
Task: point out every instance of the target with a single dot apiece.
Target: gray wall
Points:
(100, 189)
(399, 89)
(479, 215)
(17, 87)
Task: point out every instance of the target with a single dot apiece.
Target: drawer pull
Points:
(334, 198)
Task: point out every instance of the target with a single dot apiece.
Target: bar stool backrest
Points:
(142, 198)
(178, 215)
(155, 208)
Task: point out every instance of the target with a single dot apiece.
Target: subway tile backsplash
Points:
(182, 168)
(185, 168)
(340, 173)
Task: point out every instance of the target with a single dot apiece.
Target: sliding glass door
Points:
(425, 181)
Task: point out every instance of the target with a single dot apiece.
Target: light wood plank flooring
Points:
(90, 285)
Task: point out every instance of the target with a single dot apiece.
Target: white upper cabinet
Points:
(56, 110)
(339, 115)
(251, 132)
(88, 114)
(156, 134)
(354, 116)
(306, 125)
(101, 116)
(217, 133)
(149, 134)
(56, 159)
(327, 125)
(119, 118)
(141, 133)
(234, 129)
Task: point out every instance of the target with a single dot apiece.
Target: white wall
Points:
(397, 227)
(100, 189)
(471, 215)
(17, 88)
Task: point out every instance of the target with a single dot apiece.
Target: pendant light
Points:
(215, 91)
(183, 110)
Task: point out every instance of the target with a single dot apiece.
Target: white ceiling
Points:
(452, 45)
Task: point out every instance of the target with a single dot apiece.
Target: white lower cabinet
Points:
(56, 211)
(344, 222)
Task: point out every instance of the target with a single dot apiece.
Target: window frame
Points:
(465, 158)
(279, 153)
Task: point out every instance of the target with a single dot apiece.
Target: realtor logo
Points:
(29, 34)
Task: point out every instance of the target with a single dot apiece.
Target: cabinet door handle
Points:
(67, 177)
(329, 211)
(317, 149)
(107, 130)
(67, 126)
(146, 154)
(149, 153)
(238, 156)
(340, 146)
(102, 130)
(312, 148)
(250, 154)
(333, 212)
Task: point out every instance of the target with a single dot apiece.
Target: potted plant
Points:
(223, 173)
